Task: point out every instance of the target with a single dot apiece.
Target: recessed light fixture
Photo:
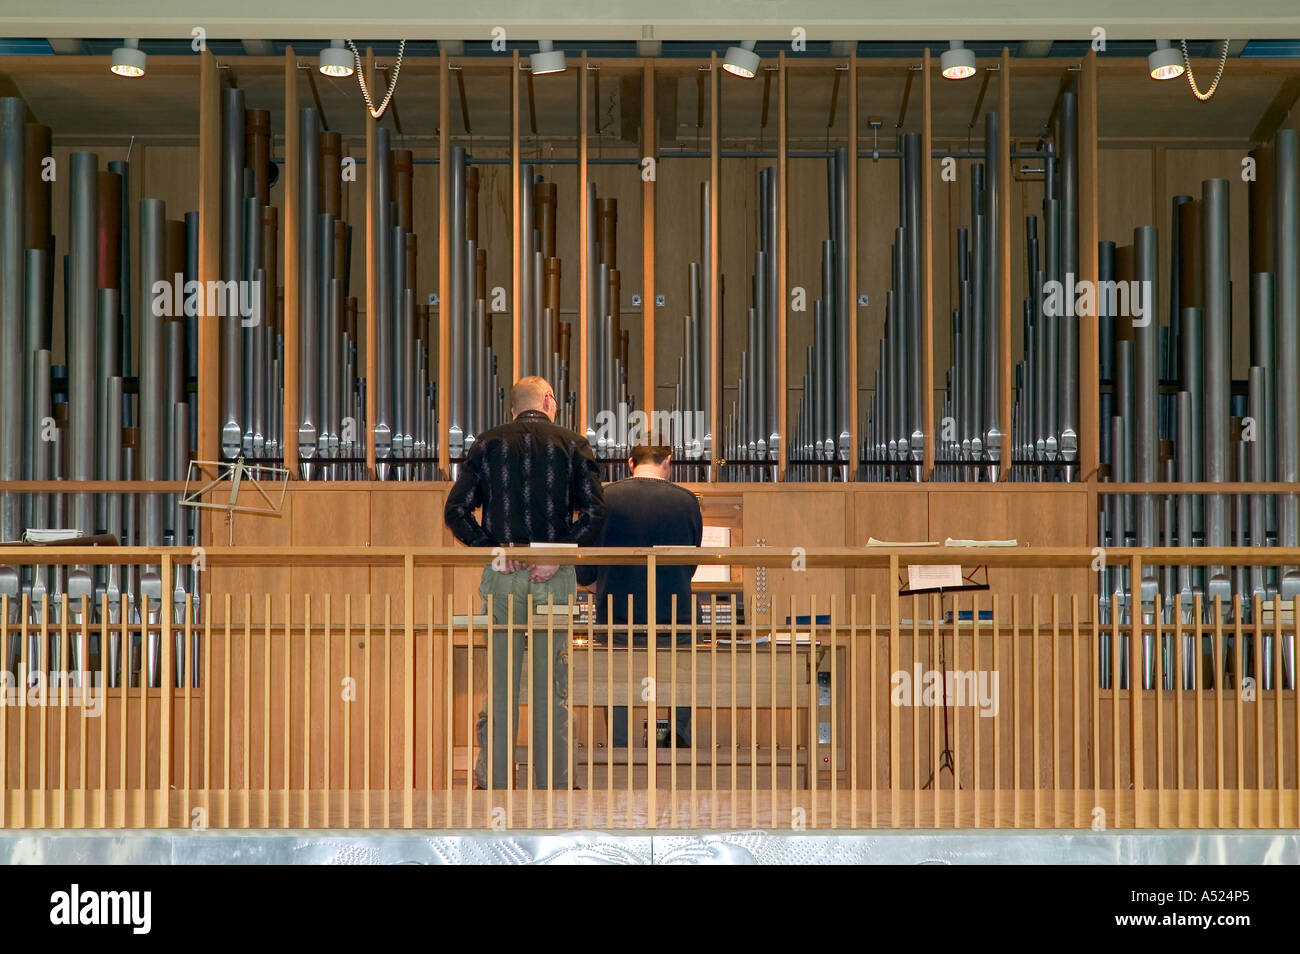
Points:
(1164, 62)
(335, 60)
(547, 59)
(957, 62)
(128, 59)
(741, 60)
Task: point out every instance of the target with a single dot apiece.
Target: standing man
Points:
(647, 510)
(536, 482)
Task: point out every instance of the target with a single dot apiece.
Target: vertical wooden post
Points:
(1004, 223)
(209, 251)
(166, 681)
(444, 262)
(1136, 672)
(584, 266)
(851, 257)
(782, 263)
(516, 250)
(408, 689)
(927, 285)
(289, 235)
(1089, 373)
(895, 794)
(372, 279)
(652, 712)
(715, 323)
(649, 149)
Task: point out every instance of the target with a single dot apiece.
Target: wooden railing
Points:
(343, 710)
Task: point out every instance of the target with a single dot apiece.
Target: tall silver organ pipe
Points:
(691, 437)
(476, 398)
(1178, 413)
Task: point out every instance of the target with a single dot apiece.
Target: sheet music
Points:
(933, 577)
(713, 572)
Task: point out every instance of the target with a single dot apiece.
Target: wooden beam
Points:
(649, 149)
(97, 66)
(372, 279)
(835, 99)
(315, 95)
(392, 102)
(464, 100)
(584, 266)
(767, 99)
(515, 250)
(209, 381)
(1089, 372)
(907, 95)
(289, 235)
(715, 325)
(444, 261)
(927, 280)
(1277, 111)
(979, 100)
(852, 259)
(782, 256)
(532, 103)
(1004, 223)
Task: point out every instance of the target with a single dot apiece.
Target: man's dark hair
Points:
(650, 454)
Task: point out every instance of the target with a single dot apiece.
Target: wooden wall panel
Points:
(1036, 518)
(803, 518)
(1126, 184)
(330, 518)
(886, 515)
(250, 530)
(408, 518)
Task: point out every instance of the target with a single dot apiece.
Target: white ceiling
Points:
(662, 19)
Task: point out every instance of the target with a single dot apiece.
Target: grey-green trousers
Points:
(505, 704)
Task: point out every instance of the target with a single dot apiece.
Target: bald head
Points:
(533, 394)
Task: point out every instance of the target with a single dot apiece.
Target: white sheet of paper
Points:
(933, 577)
(713, 572)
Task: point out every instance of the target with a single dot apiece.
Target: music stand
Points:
(237, 473)
(969, 583)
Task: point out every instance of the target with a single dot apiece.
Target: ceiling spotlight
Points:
(335, 60)
(1164, 62)
(957, 62)
(547, 59)
(741, 60)
(128, 59)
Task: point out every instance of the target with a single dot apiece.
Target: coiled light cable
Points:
(1191, 80)
(392, 80)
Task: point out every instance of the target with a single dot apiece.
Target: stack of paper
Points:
(51, 536)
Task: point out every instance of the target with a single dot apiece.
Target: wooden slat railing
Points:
(359, 710)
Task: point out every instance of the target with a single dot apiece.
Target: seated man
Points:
(646, 510)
